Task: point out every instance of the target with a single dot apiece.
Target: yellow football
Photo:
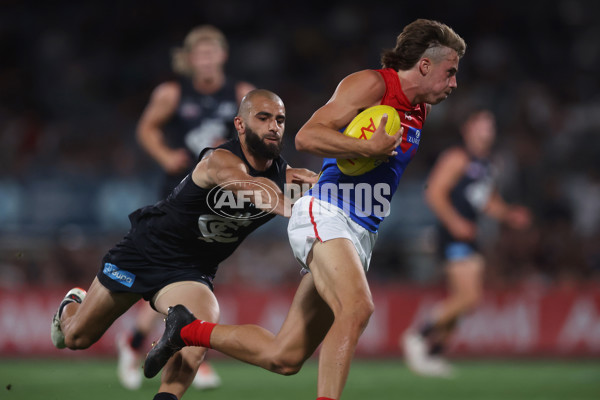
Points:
(362, 127)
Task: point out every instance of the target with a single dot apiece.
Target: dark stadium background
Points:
(75, 76)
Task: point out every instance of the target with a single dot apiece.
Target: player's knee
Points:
(78, 335)
(75, 341)
(368, 308)
(286, 365)
(359, 313)
(470, 300)
(285, 362)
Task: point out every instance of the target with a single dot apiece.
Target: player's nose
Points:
(453, 82)
(274, 126)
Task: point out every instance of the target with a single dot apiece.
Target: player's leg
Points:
(130, 346)
(303, 329)
(83, 324)
(180, 370)
(465, 286)
(425, 346)
(307, 322)
(206, 377)
(340, 280)
(465, 290)
(146, 320)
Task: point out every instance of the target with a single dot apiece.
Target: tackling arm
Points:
(301, 176)
(221, 167)
(298, 181)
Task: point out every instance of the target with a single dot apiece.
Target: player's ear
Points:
(424, 66)
(239, 124)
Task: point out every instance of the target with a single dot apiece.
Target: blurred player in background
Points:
(333, 302)
(182, 118)
(195, 111)
(459, 189)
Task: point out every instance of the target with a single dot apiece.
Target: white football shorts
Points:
(313, 219)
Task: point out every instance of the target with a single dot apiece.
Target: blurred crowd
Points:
(74, 78)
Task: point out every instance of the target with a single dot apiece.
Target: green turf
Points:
(372, 380)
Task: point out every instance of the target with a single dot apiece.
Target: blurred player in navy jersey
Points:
(459, 189)
(183, 117)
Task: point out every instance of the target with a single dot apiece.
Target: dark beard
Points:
(260, 148)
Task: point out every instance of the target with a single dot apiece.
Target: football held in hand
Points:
(362, 127)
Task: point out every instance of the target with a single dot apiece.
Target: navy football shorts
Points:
(124, 269)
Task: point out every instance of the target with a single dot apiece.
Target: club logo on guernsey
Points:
(125, 278)
(215, 228)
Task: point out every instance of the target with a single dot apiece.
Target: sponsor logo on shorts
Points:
(125, 278)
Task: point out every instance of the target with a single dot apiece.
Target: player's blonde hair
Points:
(180, 62)
(418, 37)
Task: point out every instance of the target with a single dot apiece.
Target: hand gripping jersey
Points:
(366, 198)
(196, 227)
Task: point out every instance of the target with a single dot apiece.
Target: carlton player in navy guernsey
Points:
(184, 116)
(172, 251)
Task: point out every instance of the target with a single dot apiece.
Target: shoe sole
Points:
(170, 342)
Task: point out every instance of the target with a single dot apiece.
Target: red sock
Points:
(197, 333)
(324, 398)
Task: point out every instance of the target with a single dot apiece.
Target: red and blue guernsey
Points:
(366, 198)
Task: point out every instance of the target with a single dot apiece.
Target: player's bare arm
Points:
(515, 216)
(320, 134)
(161, 107)
(298, 181)
(223, 167)
(444, 176)
(301, 175)
(496, 207)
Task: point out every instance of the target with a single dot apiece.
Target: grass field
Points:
(372, 380)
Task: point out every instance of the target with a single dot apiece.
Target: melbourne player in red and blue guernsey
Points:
(331, 239)
(384, 179)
